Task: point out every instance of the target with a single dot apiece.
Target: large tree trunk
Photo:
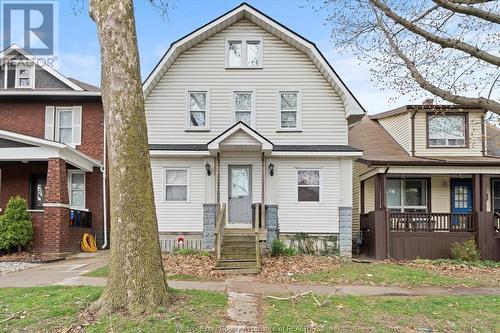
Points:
(136, 280)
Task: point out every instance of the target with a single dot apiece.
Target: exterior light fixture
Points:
(207, 167)
(271, 169)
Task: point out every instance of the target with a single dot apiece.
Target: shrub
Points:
(303, 243)
(278, 248)
(465, 250)
(15, 224)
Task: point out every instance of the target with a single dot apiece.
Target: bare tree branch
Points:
(479, 102)
(469, 10)
(471, 2)
(443, 42)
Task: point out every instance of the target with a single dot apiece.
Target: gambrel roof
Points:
(352, 106)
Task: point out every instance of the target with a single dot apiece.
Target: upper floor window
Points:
(25, 76)
(244, 53)
(289, 110)
(243, 104)
(447, 130)
(198, 110)
(76, 187)
(63, 124)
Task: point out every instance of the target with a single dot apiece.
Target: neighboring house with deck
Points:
(243, 113)
(425, 180)
(51, 151)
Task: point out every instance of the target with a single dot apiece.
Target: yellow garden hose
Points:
(88, 243)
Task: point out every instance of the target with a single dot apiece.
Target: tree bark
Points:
(469, 10)
(136, 280)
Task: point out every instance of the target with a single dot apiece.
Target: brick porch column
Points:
(55, 230)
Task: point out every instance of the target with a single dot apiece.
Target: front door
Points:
(461, 197)
(240, 195)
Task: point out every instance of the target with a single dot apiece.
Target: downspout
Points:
(413, 133)
(104, 194)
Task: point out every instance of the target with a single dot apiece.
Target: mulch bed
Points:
(18, 256)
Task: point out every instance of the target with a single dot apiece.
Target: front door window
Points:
(240, 194)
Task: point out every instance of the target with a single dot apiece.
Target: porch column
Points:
(476, 193)
(55, 230)
(380, 196)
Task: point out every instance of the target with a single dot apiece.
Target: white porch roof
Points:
(240, 137)
(28, 148)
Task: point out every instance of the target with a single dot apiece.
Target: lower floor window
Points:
(407, 195)
(309, 184)
(176, 185)
(496, 195)
(77, 189)
(37, 191)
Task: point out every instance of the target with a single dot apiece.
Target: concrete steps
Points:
(238, 254)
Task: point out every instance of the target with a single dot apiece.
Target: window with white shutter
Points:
(64, 124)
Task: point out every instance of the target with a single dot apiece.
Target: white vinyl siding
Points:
(369, 195)
(286, 68)
(399, 127)
(440, 194)
(475, 138)
(181, 216)
(310, 217)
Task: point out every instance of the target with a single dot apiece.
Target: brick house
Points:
(51, 151)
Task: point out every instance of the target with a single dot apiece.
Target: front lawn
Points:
(405, 275)
(385, 314)
(49, 309)
(104, 271)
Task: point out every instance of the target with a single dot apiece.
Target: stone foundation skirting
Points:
(169, 241)
(318, 242)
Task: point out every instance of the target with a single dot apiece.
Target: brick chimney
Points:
(428, 101)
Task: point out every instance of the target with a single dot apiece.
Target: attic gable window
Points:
(25, 76)
(447, 130)
(244, 53)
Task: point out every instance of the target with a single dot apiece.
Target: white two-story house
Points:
(244, 113)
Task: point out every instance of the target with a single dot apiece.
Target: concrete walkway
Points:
(69, 273)
(64, 272)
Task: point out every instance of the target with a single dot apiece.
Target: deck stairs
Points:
(238, 252)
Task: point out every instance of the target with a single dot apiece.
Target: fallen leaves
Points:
(281, 269)
(199, 265)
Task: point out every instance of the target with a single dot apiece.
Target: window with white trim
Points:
(308, 185)
(406, 195)
(176, 184)
(446, 130)
(25, 76)
(243, 105)
(289, 104)
(244, 53)
(76, 184)
(65, 124)
(198, 116)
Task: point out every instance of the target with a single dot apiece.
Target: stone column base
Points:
(345, 229)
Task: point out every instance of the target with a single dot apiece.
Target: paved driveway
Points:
(63, 272)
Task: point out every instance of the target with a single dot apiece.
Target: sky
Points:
(79, 47)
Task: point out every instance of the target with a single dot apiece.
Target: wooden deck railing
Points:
(220, 224)
(431, 222)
